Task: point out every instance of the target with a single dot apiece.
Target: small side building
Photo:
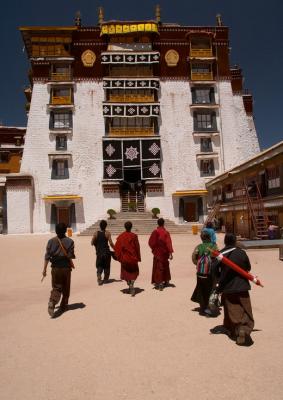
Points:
(15, 188)
(249, 197)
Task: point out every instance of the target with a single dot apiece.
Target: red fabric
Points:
(127, 250)
(161, 246)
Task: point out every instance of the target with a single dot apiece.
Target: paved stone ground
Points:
(116, 347)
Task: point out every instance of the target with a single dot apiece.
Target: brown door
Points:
(63, 215)
(190, 212)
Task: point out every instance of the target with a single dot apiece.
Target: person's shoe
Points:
(51, 307)
(99, 280)
(160, 287)
(132, 289)
(243, 339)
(63, 308)
(208, 312)
(166, 284)
(219, 330)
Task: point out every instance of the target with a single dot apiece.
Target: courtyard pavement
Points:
(112, 346)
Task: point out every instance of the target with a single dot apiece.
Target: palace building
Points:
(130, 115)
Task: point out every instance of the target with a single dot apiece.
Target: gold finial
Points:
(219, 20)
(158, 13)
(100, 15)
(78, 19)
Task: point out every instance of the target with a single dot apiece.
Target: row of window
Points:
(60, 169)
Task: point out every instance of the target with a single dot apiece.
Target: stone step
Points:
(143, 224)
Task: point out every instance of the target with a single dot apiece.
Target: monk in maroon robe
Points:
(161, 246)
(127, 250)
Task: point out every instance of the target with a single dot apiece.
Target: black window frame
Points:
(55, 172)
(196, 99)
(66, 113)
(213, 127)
(61, 142)
(212, 171)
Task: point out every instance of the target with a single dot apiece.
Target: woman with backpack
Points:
(201, 257)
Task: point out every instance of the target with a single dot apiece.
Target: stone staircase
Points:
(143, 224)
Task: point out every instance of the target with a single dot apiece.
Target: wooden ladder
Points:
(257, 211)
(214, 209)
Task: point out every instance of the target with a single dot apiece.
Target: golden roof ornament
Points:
(219, 20)
(78, 19)
(158, 13)
(100, 15)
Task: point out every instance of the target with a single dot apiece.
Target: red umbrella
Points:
(235, 267)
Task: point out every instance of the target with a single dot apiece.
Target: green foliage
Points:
(155, 211)
(111, 213)
(132, 206)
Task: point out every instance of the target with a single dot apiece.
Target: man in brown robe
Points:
(238, 316)
(161, 246)
(127, 251)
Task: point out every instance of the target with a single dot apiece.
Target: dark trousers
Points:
(103, 263)
(61, 282)
(238, 313)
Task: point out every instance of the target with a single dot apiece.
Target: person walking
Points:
(100, 240)
(209, 229)
(201, 257)
(60, 252)
(238, 316)
(127, 251)
(161, 245)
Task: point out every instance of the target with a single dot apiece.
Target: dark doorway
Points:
(190, 212)
(132, 175)
(132, 190)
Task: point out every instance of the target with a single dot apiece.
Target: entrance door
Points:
(190, 212)
(132, 190)
(63, 215)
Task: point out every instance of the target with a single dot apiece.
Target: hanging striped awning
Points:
(62, 197)
(181, 193)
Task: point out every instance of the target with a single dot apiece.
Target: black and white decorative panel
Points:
(151, 149)
(112, 150)
(113, 170)
(130, 58)
(134, 83)
(131, 110)
(151, 169)
(131, 153)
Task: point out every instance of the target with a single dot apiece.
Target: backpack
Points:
(204, 262)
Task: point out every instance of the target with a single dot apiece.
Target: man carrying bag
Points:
(60, 252)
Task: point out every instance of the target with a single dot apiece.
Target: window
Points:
(273, 178)
(60, 120)
(60, 169)
(200, 43)
(61, 143)
(205, 145)
(207, 168)
(203, 95)
(62, 92)
(131, 122)
(4, 157)
(201, 67)
(204, 121)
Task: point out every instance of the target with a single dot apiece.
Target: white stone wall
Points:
(239, 139)
(19, 210)
(180, 168)
(85, 145)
